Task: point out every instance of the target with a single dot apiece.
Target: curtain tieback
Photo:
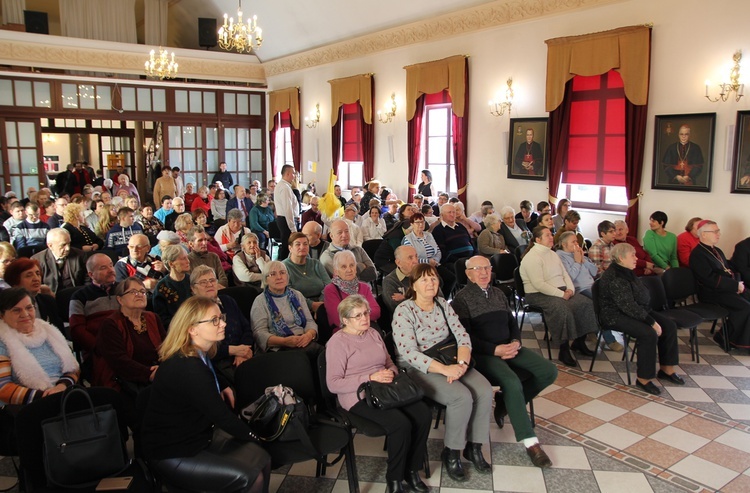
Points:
(632, 202)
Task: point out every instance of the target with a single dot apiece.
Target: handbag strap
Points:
(367, 389)
(76, 390)
(444, 316)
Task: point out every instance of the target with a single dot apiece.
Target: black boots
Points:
(452, 464)
(473, 453)
(414, 482)
(565, 357)
(580, 346)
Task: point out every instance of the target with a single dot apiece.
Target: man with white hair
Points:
(397, 283)
(514, 231)
(451, 236)
(138, 263)
(314, 232)
(340, 240)
(355, 232)
(61, 266)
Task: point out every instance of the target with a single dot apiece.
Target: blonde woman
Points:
(191, 434)
(81, 237)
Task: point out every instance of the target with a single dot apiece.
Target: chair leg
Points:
(351, 466)
(725, 329)
(532, 415)
(625, 356)
(546, 336)
(596, 351)
(427, 470)
(437, 420)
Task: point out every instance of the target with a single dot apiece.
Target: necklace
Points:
(715, 255)
(141, 327)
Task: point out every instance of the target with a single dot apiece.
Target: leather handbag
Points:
(278, 415)
(81, 448)
(445, 351)
(402, 391)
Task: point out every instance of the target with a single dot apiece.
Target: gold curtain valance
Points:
(626, 50)
(282, 100)
(432, 77)
(350, 90)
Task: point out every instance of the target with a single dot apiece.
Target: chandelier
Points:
(163, 67)
(240, 36)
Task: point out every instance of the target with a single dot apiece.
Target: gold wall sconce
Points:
(314, 118)
(389, 114)
(498, 107)
(727, 88)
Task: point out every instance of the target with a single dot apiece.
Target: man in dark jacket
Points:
(62, 266)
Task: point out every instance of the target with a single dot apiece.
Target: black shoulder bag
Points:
(402, 391)
(446, 351)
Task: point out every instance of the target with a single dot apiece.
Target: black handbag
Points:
(82, 447)
(445, 351)
(402, 391)
(278, 415)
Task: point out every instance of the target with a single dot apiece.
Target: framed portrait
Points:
(527, 149)
(683, 152)
(79, 147)
(741, 158)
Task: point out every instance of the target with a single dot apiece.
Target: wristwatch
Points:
(463, 363)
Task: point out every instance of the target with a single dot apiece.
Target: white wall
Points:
(693, 40)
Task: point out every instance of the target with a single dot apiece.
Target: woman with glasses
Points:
(248, 264)
(35, 359)
(357, 354)
(280, 317)
(344, 284)
(192, 436)
(237, 346)
(174, 288)
(420, 323)
(128, 341)
(428, 251)
(306, 275)
(7, 255)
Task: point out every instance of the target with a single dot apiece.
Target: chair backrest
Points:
(503, 265)
(679, 284)
(28, 251)
(110, 253)
(371, 246)
(386, 317)
(28, 426)
(518, 252)
(658, 297)
(460, 271)
(273, 231)
(289, 368)
(243, 295)
(329, 398)
(62, 297)
(519, 283)
(595, 293)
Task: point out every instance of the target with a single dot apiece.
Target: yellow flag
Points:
(330, 204)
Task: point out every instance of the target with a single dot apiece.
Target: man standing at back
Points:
(287, 209)
(224, 176)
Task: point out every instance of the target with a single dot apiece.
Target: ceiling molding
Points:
(486, 16)
(31, 50)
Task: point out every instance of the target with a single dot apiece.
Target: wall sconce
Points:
(497, 108)
(314, 118)
(390, 111)
(48, 139)
(732, 85)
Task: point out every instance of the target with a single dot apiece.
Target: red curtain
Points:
(414, 144)
(296, 138)
(368, 140)
(557, 141)
(272, 143)
(336, 141)
(461, 140)
(635, 142)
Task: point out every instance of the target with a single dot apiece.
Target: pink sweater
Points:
(332, 296)
(350, 361)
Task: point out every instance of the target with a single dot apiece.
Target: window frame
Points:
(450, 178)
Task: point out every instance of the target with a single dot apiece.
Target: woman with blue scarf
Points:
(280, 317)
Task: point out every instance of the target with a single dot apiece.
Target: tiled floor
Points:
(602, 435)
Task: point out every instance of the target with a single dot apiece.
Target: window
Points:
(594, 166)
(437, 141)
(283, 154)
(351, 168)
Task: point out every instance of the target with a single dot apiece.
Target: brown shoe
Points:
(538, 457)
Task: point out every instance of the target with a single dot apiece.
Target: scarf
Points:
(278, 325)
(349, 287)
(28, 370)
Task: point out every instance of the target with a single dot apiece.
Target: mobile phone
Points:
(112, 484)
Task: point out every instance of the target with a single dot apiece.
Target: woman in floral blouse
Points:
(173, 289)
(422, 321)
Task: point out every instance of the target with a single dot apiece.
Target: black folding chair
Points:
(680, 289)
(292, 369)
(503, 265)
(681, 315)
(274, 239)
(626, 338)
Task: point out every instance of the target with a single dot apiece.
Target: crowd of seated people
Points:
(142, 320)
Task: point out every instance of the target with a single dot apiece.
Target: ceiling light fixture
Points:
(239, 36)
(163, 67)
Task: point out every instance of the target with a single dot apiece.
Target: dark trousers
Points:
(406, 429)
(647, 343)
(284, 237)
(537, 373)
(226, 465)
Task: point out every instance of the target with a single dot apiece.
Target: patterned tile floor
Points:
(602, 435)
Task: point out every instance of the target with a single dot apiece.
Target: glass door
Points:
(21, 147)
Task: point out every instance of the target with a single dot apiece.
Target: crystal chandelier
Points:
(240, 36)
(163, 67)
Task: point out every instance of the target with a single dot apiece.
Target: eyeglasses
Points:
(215, 320)
(718, 231)
(359, 316)
(136, 292)
(207, 282)
(481, 267)
(18, 311)
(138, 246)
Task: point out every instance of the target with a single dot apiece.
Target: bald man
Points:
(340, 240)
